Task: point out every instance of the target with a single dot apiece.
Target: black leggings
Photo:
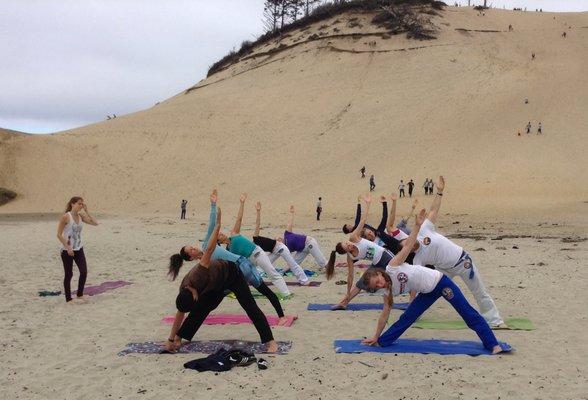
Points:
(68, 261)
(209, 301)
(272, 297)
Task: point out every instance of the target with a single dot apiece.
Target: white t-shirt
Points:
(435, 249)
(408, 277)
(368, 251)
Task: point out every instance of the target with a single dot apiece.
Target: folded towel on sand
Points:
(355, 307)
(223, 319)
(45, 293)
(418, 346)
(206, 347)
(523, 324)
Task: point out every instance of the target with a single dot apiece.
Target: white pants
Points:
(486, 305)
(280, 250)
(261, 260)
(311, 247)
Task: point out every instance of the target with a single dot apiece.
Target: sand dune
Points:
(296, 124)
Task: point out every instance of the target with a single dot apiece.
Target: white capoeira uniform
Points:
(449, 258)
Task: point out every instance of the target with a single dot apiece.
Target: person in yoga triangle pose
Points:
(192, 253)
(359, 249)
(240, 245)
(277, 249)
(430, 284)
(203, 289)
(301, 245)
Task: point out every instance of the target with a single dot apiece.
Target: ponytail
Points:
(330, 269)
(175, 263)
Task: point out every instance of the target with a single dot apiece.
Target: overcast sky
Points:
(68, 63)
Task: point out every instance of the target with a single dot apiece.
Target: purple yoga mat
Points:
(296, 283)
(104, 287)
(206, 347)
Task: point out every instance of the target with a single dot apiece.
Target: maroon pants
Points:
(68, 261)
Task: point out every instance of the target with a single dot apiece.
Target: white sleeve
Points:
(427, 226)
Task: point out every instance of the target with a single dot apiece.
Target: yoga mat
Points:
(355, 307)
(308, 272)
(296, 283)
(515, 324)
(206, 347)
(257, 295)
(419, 346)
(344, 265)
(223, 319)
(104, 287)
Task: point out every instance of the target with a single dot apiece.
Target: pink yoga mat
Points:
(233, 319)
(344, 265)
(104, 287)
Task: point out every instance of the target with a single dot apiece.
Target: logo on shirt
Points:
(369, 255)
(447, 293)
(467, 264)
(426, 240)
(402, 278)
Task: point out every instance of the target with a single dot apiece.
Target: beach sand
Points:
(50, 350)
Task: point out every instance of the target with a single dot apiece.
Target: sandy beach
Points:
(51, 350)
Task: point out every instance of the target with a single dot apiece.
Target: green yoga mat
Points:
(257, 295)
(515, 324)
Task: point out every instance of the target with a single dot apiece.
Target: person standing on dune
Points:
(372, 183)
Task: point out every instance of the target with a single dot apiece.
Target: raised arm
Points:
(392, 216)
(257, 218)
(383, 320)
(237, 227)
(212, 219)
(434, 211)
(356, 234)
(409, 242)
(382, 225)
(415, 203)
(87, 218)
(290, 219)
(205, 260)
(357, 213)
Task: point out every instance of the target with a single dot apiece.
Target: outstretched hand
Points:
(258, 206)
(382, 198)
(213, 196)
(420, 218)
(393, 197)
(218, 215)
(370, 341)
(415, 203)
(243, 197)
(292, 209)
(441, 184)
(367, 198)
(359, 198)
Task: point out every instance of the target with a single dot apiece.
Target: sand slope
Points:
(297, 124)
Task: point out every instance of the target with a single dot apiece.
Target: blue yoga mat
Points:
(355, 307)
(419, 346)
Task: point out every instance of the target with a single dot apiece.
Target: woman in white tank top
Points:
(69, 231)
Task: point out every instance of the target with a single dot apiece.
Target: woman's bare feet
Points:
(282, 321)
(496, 349)
(272, 346)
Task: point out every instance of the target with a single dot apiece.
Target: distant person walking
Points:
(183, 208)
(529, 127)
(426, 186)
(410, 187)
(539, 129)
(372, 183)
(431, 186)
(69, 233)
(362, 170)
(319, 208)
(401, 189)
